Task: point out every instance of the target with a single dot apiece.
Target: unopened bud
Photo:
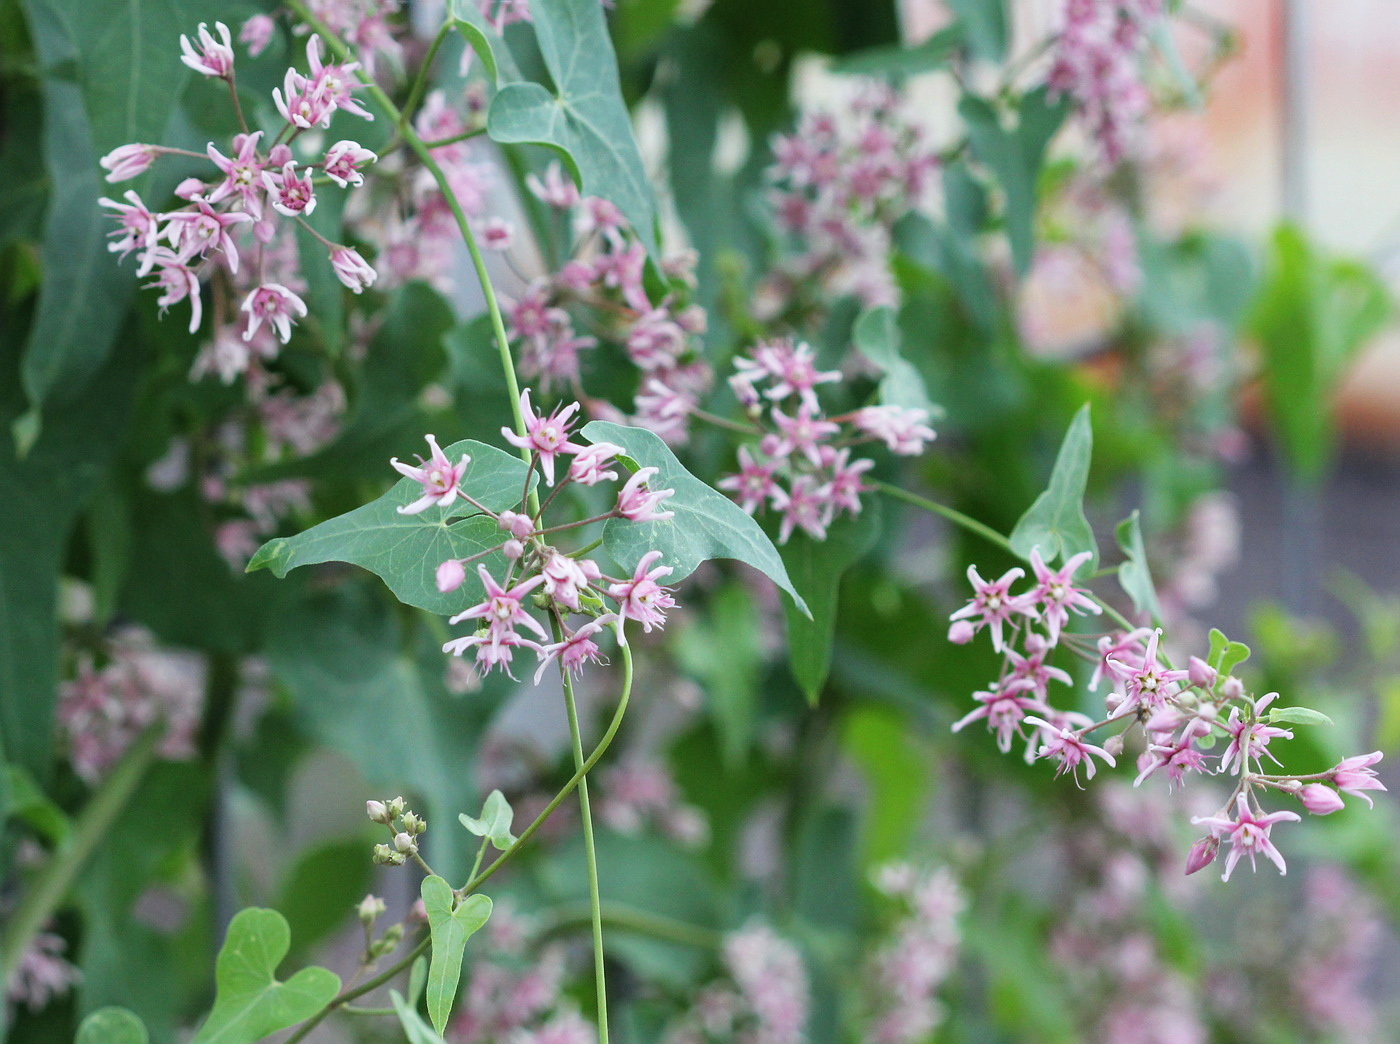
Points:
(414, 824)
(1321, 800)
(396, 807)
(1202, 854)
(1114, 745)
(961, 632)
(405, 843)
(371, 907)
(1232, 688)
(516, 524)
(385, 855)
(377, 811)
(387, 942)
(513, 549)
(1201, 674)
(450, 575)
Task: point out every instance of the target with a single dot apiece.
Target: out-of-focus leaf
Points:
(24, 800)
(405, 550)
(707, 524)
(1055, 522)
(583, 118)
(112, 1026)
(898, 60)
(250, 1003)
(495, 820)
(876, 336)
(730, 680)
(484, 40)
(451, 924)
(320, 890)
(896, 769)
(985, 24)
(1133, 574)
(417, 1031)
(816, 567)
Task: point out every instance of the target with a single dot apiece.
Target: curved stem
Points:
(346, 996)
(951, 514)
(642, 922)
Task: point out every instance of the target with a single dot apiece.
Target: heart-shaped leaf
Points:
(1133, 575)
(707, 524)
(584, 118)
(112, 1026)
(249, 1002)
(405, 550)
(496, 816)
(1055, 522)
(450, 929)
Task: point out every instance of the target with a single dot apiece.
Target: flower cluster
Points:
(905, 972)
(1182, 713)
(638, 792)
(41, 974)
(765, 1000)
(803, 465)
(840, 183)
(102, 709)
(404, 825)
(564, 585)
(369, 26)
(603, 282)
(237, 225)
(1098, 56)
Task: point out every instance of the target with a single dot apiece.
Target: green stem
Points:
(350, 1009)
(951, 514)
(641, 922)
(420, 82)
(367, 986)
(56, 878)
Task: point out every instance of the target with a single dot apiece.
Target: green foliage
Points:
(1297, 716)
(583, 117)
(494, 823)
(1311, 317)
(404, 550)
(112, 1026)
(417, 1031)
(1055, 522)
(720, 650)
(250, 1002)
(899, 60)
(816, 568)
(320, 889)
(707, 524)
(468, 20)
(1134, 576)
(876, 336)
(1225, 655)
(451, 925)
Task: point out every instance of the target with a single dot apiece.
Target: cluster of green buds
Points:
(405, 826)
(371, 908)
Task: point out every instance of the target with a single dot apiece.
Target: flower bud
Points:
(513, 549)
(1232, 688)
(189, 189)
(1321, 800)
(371, 907)
(386, 855)
(404, 843)
(1201, 674)
(516, 524)
(414, 824)
(396, 807)
(1114, 745)
(961, 632)
(450, 575)
(1202, 854)
(377, 811)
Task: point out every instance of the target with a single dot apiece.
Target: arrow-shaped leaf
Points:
(249, 1002)
(1133, 575)
(1055, 522)
(496, 816)
(450, 929)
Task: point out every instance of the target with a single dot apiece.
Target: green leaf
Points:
(1056, 522)
(897, 60)
(1224, 654)
(249, 1002)
(985, 24)
(1015, 156)
(417, 1031)
(876, 336)
(468, 20)
(1133, 574)
(730, 680)
(450, 929)
(30, 804)
(707, 524)
(112, 1026)
(1298, 716)
(584, 118)
(496, 816)
(320, 889)
(405, 550)
(816, 567)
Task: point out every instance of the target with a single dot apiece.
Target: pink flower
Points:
(806, 506)
(274, 304)
(1147, 684)
(1004, 707)
(497, 233)
(555, 189)
(439, 477)
(137, 229)
(636, 502)
(903, 430)
(242, 174)
(352, 269)
(300, 103)
(844, 488)
(1321, 800)
(995, 603)
(590, 464)
(289, 194)
(450, 575)
(214, 57)
(1355, 775)
(1057, 594)
(575, 649)
(1178, 758)
(178, 281)
(565, 578)
(493, 649)
(198, 231)
(1069, 748)
(546, 435)
(127, 161)
(1202, 854)
(334, 82)
(344, 160)
(1032, 666)
(1124, 646)
(256, 33)
(802, 433)
(1201, 674)
(516, 524)
(1249, 740)
(641, 598)
(1247, 833)
(754, 482)
(502, 609)
(961, 632)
